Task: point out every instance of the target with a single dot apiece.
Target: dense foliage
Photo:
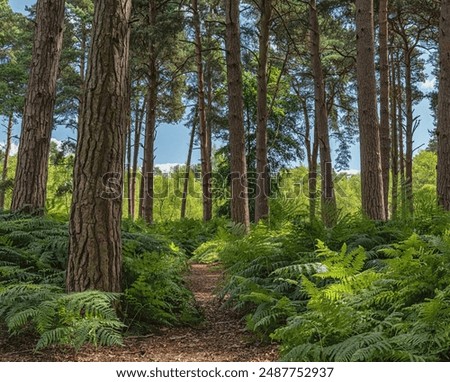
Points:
(33, 259)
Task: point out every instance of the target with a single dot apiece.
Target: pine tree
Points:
(37, 121)
(239, 190)
(95, 245)
(371, 175)
(443, 128)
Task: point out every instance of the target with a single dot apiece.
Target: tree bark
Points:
(371, 174)
(95, 245)
(328, 199)
(385, 132)
(239, 185)
(6, 160)
(30, 184)
(262, 171)
(150, 129)
(204, 138)
(443, 128)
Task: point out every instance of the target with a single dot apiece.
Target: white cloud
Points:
(428, 84)
(167, 167)
(58, 143)
(349, 172)
(14, 148)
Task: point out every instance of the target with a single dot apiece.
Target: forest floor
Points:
(220, 337)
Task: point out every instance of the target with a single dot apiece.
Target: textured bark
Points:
(371, 174)
(205, 151)
(187, 173)
(443, 128)
(6, 159)
(37, 121)
(328, 199)
(150, 125)
(95, 245)
(239, 188)
(262, 195)
(385, 132)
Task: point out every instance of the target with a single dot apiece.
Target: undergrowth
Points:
(33, 256)
(362, 291)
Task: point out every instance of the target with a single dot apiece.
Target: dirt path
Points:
(221, 337)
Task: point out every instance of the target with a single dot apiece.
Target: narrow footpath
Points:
(220, 337)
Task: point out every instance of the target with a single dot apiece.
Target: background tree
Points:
(37, 120)
(443, 128)
(385, 131)
(371, 175)
(262, 168)
(329, 209)
(238, 166)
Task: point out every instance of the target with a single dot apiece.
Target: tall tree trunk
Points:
(262, 171)
(394, 145)
(6, 160)
(443, 128)
(371, 174)
(83, 54)
(385, 132)
(128, 164)
(95, 244)
(328, 199)
(408, 133)
(30, 184)
(136, 146)
(239, 185)
(150, 129)
(204, 136)
(187, 172)
(312, 150)
(401, 147)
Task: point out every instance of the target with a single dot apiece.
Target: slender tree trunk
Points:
(83, 54)
(239, 189)
(204, 139)
(30, 184)
(187, 172)
(6, 159)
(149, 145)
(312, 150)
(401, 150)
(262, 189)
(136, 146)
(95, 244)
(443, 128)
(128, 151)
(371, 174)
(394, 145)
(408, 133)
(385, 136)
(328, 199)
